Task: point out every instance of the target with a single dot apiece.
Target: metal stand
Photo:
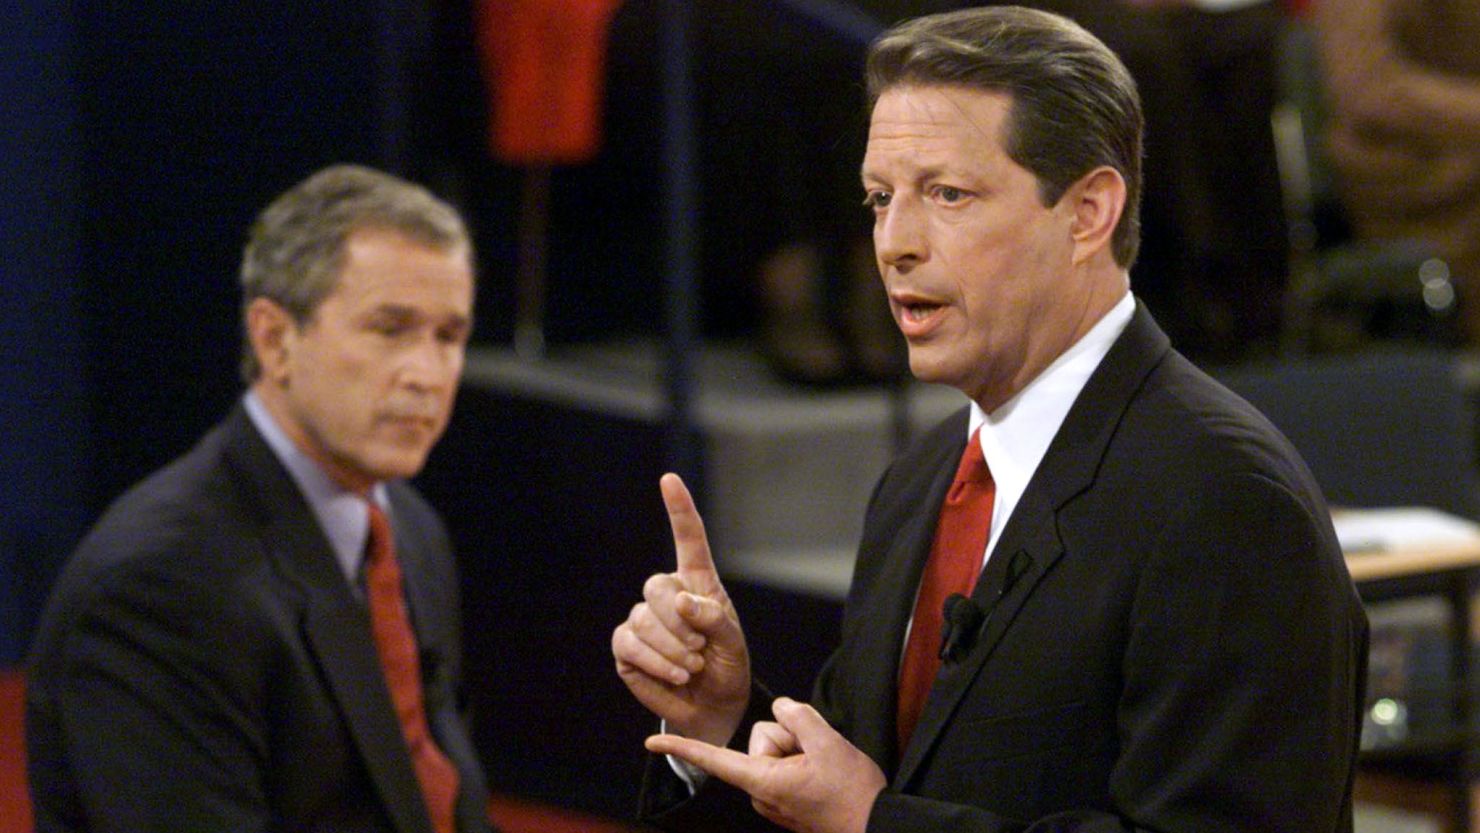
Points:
(529, 289)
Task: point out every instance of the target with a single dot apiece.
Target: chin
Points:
(399, 466)
(928, 368)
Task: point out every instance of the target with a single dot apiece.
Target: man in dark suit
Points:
(264, 634)
(1163, 635)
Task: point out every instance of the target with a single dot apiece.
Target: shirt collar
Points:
(1015, 437)
(341, 513)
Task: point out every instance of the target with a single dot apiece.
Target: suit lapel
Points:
(1027, 557)
(888, 610)
(353, 670)
(421, 599)
(335, 626)
(1030, 546)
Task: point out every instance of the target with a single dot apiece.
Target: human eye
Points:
(454, 333)
(876, 199)
(390, 323)
(948, 194)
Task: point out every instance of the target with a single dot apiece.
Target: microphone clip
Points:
(962, 621)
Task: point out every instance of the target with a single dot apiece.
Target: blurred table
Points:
(1447, 569)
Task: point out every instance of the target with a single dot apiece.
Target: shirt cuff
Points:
(692, 776)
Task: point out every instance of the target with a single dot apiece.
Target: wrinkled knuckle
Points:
(622, 639)
(701, 610)
(647, 623)
(764, 809)
(642, 631)
(661, 586)
(765, 796)
(711, 616)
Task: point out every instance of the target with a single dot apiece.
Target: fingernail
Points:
(695, 663)
(696, 641)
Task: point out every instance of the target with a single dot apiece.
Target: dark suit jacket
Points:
(1181, 649)
(204, 666)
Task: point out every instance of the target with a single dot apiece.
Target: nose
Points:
(899, 235)
(431, 365)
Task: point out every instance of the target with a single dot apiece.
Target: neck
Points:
(277, 406)
(1088, 310)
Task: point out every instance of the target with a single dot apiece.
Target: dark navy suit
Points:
(1181, 649)
(203, 664)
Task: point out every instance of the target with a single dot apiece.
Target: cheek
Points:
(360, 372)
(349, 392)
(987, 276)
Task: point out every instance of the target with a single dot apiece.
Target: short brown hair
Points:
(296, 246)
(1074, 106)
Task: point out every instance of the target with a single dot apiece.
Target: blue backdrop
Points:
(138, 141)
(43, 467)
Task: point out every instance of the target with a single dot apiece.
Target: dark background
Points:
(138, 141)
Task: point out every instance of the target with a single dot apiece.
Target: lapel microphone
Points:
(964, 619)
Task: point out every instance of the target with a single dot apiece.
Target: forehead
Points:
(920, 124)
(382, 265)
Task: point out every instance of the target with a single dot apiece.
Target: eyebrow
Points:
(391, 310)
(931, 172)
(403, 312)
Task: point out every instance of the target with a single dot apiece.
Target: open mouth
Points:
(920, 312)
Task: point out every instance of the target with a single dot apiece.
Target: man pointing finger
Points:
(1169, 638)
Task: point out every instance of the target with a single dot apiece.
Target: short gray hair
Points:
(296, 247)
(1074, 104)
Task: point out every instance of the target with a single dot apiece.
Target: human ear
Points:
(1098, 200)
(270, 329)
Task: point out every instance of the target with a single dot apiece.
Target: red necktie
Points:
(955, 559)
(396, 644)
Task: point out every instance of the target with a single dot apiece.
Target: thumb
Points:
(690, 544)
(804, 722)
(714, 618)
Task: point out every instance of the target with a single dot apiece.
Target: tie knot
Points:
(381, 543)
(973, 468)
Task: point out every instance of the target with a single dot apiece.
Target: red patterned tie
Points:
(396, 644)
(955, 559)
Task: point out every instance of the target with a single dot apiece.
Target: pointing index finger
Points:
(690, 544)
(727, 765)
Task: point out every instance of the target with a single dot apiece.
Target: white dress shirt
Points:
(1016, 436)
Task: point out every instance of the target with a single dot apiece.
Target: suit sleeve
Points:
(716, 807)
(1242, 678)
(149, 688)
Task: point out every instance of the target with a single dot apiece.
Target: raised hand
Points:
(681, 651)
(800, 773)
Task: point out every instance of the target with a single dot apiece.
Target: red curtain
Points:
(544, 64)
(15, 798)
